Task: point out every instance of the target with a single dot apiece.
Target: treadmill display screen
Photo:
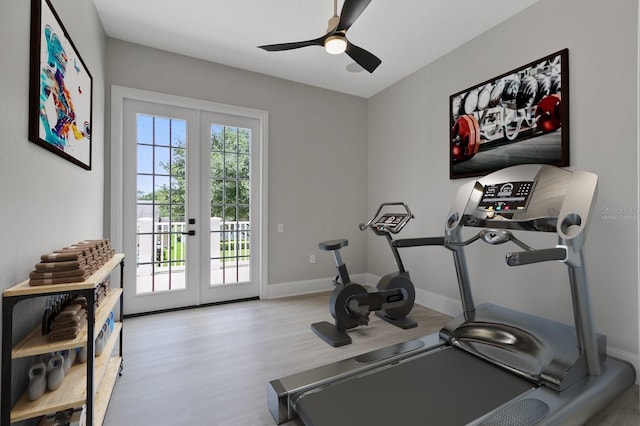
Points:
(504, 197)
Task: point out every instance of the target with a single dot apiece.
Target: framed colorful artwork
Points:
(519, 117)
(60, 89)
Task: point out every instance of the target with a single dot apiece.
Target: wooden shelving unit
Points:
(97, 373)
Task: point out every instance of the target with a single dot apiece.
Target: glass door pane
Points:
(230, 229)
(160, 203)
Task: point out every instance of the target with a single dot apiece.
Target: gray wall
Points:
(317, 151)
(412, 118)
(46, 201)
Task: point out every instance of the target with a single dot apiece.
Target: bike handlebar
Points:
(393, 228)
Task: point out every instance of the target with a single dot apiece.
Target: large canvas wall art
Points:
(60, 89)
(519, 117)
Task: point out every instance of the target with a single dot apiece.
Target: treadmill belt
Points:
(448, 387)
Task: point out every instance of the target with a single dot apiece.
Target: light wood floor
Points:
(211, 366)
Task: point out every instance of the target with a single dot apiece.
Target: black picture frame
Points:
(60, 89)
(519, 117)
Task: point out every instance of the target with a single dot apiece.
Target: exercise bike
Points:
(350, 303)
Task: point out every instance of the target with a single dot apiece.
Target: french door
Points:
(191, 205)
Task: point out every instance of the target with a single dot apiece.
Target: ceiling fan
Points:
(335, 40)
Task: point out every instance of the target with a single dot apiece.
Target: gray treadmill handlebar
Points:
(535, 256)
(416, 242)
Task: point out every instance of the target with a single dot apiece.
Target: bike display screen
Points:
(389, 220)
(506, 196)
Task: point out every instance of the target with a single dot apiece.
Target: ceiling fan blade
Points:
(294, 45)
(351, 10)
(365, 59)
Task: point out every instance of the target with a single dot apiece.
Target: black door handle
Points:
(190, 232)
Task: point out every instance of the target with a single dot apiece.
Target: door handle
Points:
(190, 232)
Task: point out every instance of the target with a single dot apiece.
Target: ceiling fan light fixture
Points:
(335, 44)
(335, 39)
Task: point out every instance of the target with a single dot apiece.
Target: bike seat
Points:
(333, 244)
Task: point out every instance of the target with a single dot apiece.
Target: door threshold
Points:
(183, 308)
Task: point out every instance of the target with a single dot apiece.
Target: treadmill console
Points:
(506, 197)
(530, 197)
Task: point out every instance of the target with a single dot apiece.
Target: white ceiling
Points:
(405, 34)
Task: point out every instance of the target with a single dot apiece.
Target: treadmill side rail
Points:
(282, 393)
(573, 406)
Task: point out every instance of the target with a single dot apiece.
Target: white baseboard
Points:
(297, 288)
(424, 298)
(438, 302)
(631, 358)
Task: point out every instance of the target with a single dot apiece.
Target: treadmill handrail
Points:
(418, 242)
(559, 253)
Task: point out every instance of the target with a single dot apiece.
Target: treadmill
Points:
(491, 365)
